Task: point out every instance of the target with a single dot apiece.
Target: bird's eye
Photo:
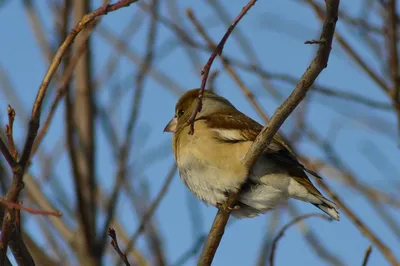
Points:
(180, 112)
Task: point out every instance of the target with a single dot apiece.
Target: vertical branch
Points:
(393, 55)
(145, 67)
(9, 132)
(38, 29)
(82, 113)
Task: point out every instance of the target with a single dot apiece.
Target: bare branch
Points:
(36, 110)
(217, 51)
(9, 132)
(361, 226)
(7, 155)
(19, 206)
(146, 65)
(282, 232)
(114, 243)
(191, 252)
(366, 256)
(152, 208)
(264, 138)
(393, 55)
(20, 167)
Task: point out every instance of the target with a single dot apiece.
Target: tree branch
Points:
(217, 51)
(282, 232)
(366, 256)
(264, 138)
(20, 167)
(145, 67)
(7, 155)
(114, 243)
(393, 55)
(147, 216)
(361, 226)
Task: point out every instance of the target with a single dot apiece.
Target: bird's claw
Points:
(222, 207)
(234, 208)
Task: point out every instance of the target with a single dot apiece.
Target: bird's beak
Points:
(171, 126)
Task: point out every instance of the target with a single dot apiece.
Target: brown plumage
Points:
(210, 161)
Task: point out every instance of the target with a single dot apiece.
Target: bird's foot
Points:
(234, 208)
(228, 208)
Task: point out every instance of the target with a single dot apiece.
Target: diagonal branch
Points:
(361, 226)
(114, 243)
(36, 110)
(282, 232)
(149, 213)
(366, 256)
(7, 155)
(217, 51)
(264, 138)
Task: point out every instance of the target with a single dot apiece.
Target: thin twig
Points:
(36, 110)
(217, 51)
(147, 216)
(114, 243)
(191, 252)
(366, 256)
(351, 215)
(10, 132)
(38, 29)
(141, 77)
(273, 222)
(374, 75)
(361, 226)
(313, 240)
(284, 228)
(65, 80)
(7, 155)
(122, 46)
(314, 42)
(17, 206)
(225, 62)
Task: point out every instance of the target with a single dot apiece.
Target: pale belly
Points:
(212, 184)
(256, 200)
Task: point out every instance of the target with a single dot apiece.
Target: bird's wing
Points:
(233, 127)
(237, 127)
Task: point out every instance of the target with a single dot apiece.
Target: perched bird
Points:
(210, 161)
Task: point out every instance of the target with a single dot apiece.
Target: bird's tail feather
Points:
(328, 207)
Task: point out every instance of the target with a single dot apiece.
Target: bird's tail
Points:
(328, 207)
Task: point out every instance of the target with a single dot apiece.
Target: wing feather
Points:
(233, 127)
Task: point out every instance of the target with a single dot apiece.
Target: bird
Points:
(210, 160)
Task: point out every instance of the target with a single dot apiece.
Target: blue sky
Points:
(276, 31)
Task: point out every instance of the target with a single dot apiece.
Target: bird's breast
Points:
(206, 168)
